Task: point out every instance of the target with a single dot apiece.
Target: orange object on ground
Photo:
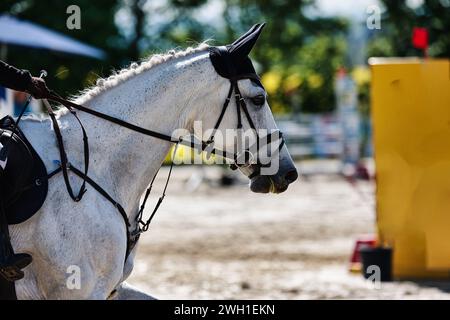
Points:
(362, 241)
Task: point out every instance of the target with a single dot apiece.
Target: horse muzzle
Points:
(277, 183)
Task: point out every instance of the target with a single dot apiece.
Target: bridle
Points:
(228, 68)
(240, 158)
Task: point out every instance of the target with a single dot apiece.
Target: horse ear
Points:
(242, 47)
(241, 38)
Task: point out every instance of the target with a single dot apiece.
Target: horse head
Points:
(239, 103)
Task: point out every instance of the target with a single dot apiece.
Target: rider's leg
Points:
(4, 247)
(10, 263)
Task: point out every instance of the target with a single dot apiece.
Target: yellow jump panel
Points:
(411, 120)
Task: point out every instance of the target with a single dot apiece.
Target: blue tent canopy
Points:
(24, 33)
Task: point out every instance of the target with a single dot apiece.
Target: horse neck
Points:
(161, 99)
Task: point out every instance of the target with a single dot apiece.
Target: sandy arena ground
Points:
(211, 242)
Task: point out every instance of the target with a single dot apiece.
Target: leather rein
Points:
(142, 225)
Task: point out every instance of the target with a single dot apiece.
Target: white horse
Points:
(164, 93)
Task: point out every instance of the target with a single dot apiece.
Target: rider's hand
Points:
(38, 89)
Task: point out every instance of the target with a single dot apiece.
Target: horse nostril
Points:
(291, 176)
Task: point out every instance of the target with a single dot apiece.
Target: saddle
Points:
(23, 189)
(23, 175)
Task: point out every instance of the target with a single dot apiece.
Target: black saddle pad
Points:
(23, 177)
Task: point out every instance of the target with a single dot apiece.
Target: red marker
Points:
(420, 39)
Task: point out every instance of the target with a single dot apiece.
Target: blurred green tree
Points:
(398, 21)
(297, 59)
(299, 55)
(68, 74)
(180, 26)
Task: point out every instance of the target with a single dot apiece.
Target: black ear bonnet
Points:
(232, 61)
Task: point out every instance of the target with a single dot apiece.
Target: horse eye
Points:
(259, 100)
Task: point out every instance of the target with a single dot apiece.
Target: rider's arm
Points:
(14, 78)
(21, 80)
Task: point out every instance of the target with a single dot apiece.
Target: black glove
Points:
(38, 89)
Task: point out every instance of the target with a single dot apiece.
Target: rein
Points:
(142, 225)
